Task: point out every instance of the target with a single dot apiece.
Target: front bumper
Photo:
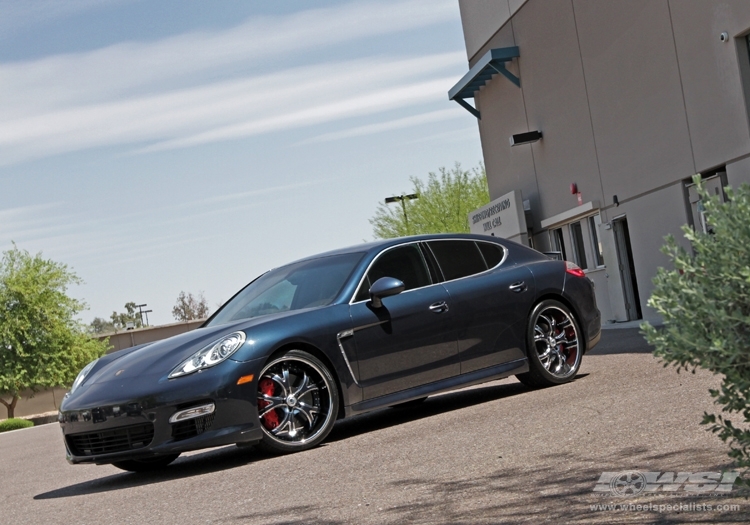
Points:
(121, 420)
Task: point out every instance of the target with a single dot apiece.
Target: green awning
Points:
(492, 63)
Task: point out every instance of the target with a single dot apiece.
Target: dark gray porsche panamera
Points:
(331, 336)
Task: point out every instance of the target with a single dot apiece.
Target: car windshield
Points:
(315, 282)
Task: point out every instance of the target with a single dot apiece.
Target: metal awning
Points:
(492, 63)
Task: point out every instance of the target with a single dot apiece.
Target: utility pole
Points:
(141, 311)
(402, 199)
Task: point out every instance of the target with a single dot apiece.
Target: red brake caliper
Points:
(271, 419)
(570, 334)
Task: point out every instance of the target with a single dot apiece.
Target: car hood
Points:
(161, 357)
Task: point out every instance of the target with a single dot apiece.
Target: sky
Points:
(168, 146)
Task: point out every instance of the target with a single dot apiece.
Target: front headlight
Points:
(210, 355)
(82, 375)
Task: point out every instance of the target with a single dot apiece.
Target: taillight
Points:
(573, 269)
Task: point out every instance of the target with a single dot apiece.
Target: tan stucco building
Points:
(631, 98)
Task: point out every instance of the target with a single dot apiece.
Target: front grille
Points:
(191, 427)
(109, 441)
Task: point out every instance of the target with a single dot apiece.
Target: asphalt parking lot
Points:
(497, 453)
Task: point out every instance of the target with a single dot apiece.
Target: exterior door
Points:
(627, 269)
(490, 308)
(411, 339)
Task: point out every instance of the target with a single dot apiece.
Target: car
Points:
(327, 337)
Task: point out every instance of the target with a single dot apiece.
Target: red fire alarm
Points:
(573, 188)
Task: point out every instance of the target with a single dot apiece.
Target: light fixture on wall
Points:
(525, 138)
(615, 201)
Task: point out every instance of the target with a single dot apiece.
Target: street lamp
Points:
(402, 199)
(141, 311)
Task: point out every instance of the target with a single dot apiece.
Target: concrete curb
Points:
(42, 419)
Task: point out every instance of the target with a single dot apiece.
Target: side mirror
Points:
(384, 287)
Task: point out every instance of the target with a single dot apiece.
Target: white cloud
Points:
(138, 67)
(205, 87)
(17, 15)
(244, 195)
(234, 108)
(79, 235)
(470, 133)
(380, 127)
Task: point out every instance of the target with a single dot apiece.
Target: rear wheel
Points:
(554, 345)
(297, 402)
(146, 464)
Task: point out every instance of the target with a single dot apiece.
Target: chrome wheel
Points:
(297, 402)
(554, 345)
(556, 342)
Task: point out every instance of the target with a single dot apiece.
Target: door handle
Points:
(439, 307)
(520, 286)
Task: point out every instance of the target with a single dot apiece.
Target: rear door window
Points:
(458, 258)
(492, 253)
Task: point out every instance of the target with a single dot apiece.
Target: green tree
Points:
(117, 321)
(130, 315)
(443, 206)
(705, 304)
(41, 342)
(101, 326)
(189, 307)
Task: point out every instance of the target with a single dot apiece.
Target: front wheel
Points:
(297, 402)
(554, 345)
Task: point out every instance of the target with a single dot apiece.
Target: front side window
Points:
(404, 263)
(315, 282)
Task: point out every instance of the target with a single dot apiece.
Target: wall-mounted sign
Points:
(503, 217)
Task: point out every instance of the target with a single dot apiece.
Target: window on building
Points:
(556, 240)
(596, 243)
(715, 186)
(743, 53)
(579, 248)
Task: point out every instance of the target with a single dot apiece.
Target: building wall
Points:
(632, 98)
(713, 91)
(129, 338)
(482, 18)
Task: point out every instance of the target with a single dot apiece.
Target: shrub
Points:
(14, 424)
(705, 304)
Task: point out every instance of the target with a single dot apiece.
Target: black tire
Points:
(298, 402)
(554, 344)
(146, 464)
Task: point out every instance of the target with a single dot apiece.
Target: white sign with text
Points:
(504, 217)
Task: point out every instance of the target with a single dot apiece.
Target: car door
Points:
(491, 299)
(411, 339)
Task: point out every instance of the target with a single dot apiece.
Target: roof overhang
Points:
(492, 63)
(587, 208)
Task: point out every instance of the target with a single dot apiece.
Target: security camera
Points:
(724, 36)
